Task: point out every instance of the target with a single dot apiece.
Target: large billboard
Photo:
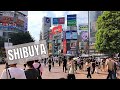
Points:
(60, 20)
(84, 36)
(83, 27)
(57, 29)
(71, 20)
(71, 35)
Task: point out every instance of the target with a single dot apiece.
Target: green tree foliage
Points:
(108, 34)
(21, 38)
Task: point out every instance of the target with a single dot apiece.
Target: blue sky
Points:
(35, 19)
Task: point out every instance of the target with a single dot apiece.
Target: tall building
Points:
(46, 24)
(93, 19)
(12, 22)
(93, 28)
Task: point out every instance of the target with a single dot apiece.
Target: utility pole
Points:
(88, 33)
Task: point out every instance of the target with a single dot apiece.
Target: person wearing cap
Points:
(13, 72)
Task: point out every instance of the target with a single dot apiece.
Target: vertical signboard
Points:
(64, 46)
(71, 20)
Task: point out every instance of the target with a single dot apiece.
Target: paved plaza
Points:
(57, 72)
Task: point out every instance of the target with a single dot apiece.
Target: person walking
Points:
(52, 61)
(64, 64)
(110, 66)
(71, 69)
(89, 69)
(93, 66)
(37, 65)
(31, 72)
(49, 64)
(45, 61)
(13, 72)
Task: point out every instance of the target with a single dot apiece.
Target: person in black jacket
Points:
(32, 73)
(64, 64)
(93, 66)
(49, 64)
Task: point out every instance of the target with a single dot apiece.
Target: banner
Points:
(71, 20)
(60, 20)
(83, 27)
(57, 29)
(64, 47)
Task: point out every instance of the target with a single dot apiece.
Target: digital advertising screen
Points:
(74, 35)
(84, 36)
(68, 35)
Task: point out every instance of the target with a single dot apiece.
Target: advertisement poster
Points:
(50, 46)
(60, 20)
(74, 35)
(71, 20)
(73, 44)
(57, 29)
(84, 36)
(68, 35)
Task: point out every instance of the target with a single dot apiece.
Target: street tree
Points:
(21, 38)
(108, 34)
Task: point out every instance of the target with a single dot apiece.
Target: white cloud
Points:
(59, 13)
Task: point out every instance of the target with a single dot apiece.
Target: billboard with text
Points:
(60, 20)
(71, 20)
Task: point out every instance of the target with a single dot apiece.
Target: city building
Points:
(46, 24)
(12, 22)
(93, 28)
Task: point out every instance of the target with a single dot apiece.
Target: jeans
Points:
(110, 74)
(114, 75)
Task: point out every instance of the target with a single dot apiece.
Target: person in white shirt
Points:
(13, 72)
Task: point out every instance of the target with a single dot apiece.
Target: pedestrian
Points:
(93, 66)
(13, 72)
(52, 61)
(110, 65)
(75, 65)
(115, 69)
(89, 69)
(49, 64)
(37, 65)
(59, 61)
(64, 64)
(45, 61)
(71, 69)
(31, 72)
(97, 67)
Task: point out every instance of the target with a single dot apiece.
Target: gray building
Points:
(12, 22)
(46, 24)
(93, 18)
(93, 28)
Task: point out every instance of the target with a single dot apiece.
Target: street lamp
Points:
(88, 32)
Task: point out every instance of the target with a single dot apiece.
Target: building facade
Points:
(46, 24)
(93, 28)
(12, 22)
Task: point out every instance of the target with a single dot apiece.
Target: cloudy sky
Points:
(35, 19)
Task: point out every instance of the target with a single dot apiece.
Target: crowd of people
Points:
(34, 69)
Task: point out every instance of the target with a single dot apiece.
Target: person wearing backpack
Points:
(13, 72)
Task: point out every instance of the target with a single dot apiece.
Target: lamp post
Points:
(88, 33)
